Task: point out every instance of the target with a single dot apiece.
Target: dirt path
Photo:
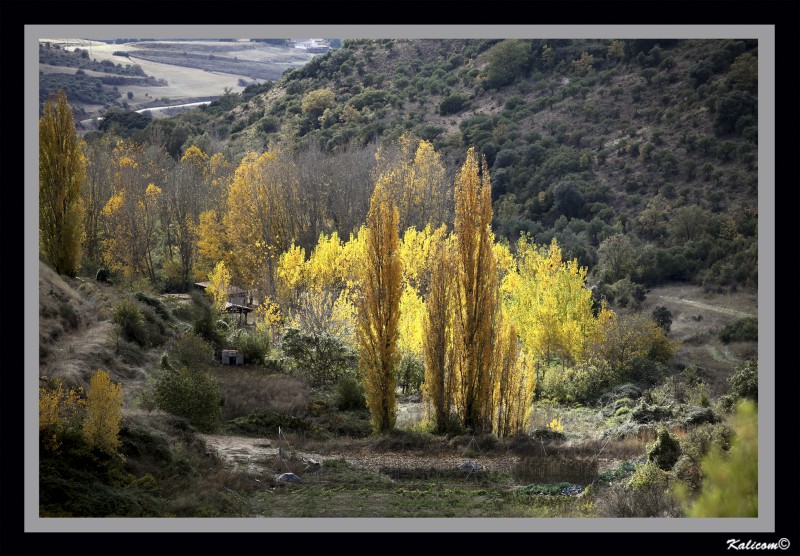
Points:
(708, 307)
(251, 454)
(255, 454)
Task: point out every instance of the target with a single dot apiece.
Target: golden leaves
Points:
(103, 413)
(378, 308)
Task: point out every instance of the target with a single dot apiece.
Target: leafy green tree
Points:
(708, 170)
(129, 323)
(744, 381)
(726, 149)
(665, 450)
(192, 350)
(568, 198)
(191, 393)
(617, 256)
(732, 107)
(663, 318)
(315, 102)
(62, 172)
(584, 64)
(452, 104)
(648, 74)
(410, 373)
(508, 60)
(205, 321)
(688, 223)
(323, 359)
(616, 50)
(744, 72)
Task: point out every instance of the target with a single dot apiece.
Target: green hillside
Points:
(656, 140)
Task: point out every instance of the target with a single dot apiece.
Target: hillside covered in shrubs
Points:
(653, 142)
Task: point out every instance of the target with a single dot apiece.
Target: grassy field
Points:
(233, 64)
(364, 480)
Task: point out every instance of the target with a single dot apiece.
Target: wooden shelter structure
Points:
(237, 303)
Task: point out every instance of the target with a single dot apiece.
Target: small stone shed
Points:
(232, 357)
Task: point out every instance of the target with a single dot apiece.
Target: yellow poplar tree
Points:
(211, 242)
(130, 217)
(315, 292)
(414, 174)
(379, 309)
(220, 175)
(325, 266)
(220, 282)
(550, 305)
(410, 335)
(439, 386)
(515, 384)
(103, 413)
(260, 220)
(418, 262)
(477, 299)
(290, 275)
(62, 172)
(59, 411)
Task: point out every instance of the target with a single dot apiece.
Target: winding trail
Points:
(708, 307)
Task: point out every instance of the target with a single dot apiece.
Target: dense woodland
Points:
(478, 221)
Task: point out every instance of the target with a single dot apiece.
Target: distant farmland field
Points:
(193, 70)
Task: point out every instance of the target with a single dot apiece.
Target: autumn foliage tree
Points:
(131, 216)
(96, 192)
(219, 284)
(62, 172)
(184, 204)
(515, 381)
(477, 299)
(378, 309)
(101, 424)
(414, 174)
(60, 413)
(438, 344)
(551, 307)
(260, 220)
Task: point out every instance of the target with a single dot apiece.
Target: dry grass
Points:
(697, 317)
(248, 390)
(544, 470)
(618, 501)
(622, 449)
(75, 333)
(278, 465)
(218, 493)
